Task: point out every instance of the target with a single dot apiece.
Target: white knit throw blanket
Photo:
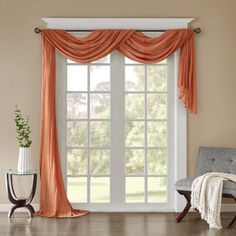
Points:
(207, 194)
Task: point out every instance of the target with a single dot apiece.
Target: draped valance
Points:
(134, 45)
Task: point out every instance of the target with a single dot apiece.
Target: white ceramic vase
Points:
(24, 160)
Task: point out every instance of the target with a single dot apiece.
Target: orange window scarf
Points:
(99, 43)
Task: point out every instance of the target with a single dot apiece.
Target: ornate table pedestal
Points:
(18, 201)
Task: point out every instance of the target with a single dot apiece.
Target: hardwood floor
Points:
(112, 224)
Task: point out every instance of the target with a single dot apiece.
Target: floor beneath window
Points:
(114, 224)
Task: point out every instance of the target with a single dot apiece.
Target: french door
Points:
(115, 122)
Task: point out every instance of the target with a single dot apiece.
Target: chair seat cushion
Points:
(184, 184)
(229, 187)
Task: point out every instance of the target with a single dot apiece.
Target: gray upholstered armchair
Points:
(210, 159)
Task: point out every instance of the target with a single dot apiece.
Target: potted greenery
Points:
(23, 135)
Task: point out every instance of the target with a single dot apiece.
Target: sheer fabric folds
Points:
(99, 43)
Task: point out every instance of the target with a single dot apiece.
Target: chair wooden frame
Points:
(187, 195)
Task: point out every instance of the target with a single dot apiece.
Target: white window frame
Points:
(180, 122)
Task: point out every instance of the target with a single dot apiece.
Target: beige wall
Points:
(20, 65)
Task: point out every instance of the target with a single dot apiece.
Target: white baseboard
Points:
(7, 207)
(224, 208)
(228, 208)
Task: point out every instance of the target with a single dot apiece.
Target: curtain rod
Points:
(196, 30)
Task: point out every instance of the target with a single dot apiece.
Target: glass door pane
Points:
(88, 131)
(146, 132)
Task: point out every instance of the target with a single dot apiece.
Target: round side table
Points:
(18, 201)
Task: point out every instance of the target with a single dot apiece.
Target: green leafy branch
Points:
(22, 129)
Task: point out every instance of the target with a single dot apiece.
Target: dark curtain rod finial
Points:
(37, 30)
(197, 30)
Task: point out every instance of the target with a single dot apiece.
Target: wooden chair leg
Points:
(232, 222)
(234, 219)
(186, 209)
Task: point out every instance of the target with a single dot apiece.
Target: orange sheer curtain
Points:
(99, 43)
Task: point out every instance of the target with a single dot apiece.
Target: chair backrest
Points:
(214, 159)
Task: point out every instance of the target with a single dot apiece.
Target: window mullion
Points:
(145, 140)
(117, 129)
(88, 130)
